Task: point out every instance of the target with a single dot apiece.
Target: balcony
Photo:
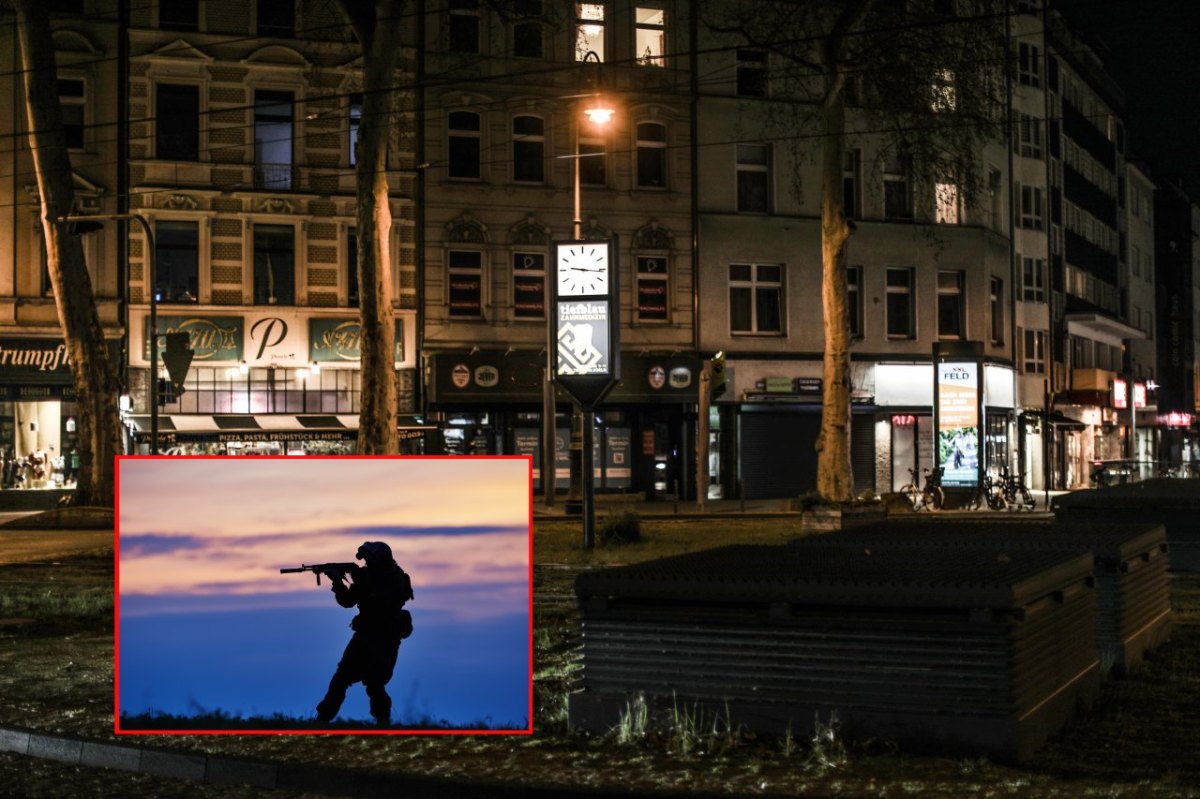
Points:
(1091, 379)
(276, 177)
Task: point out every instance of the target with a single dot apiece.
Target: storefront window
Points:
(216, 390)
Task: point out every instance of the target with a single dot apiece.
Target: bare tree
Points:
(377, 25)
(922, 79)
(95, 378)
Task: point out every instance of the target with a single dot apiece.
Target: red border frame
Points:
(117, 730)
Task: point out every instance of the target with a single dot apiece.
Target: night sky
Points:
(1151, 50)
(207, 621)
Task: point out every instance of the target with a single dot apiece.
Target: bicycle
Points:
(1016, 494)
(991, 492)
(932, 496)
(928, 498)
(911, 490)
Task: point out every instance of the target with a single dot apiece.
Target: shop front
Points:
(489, 402)
(38, 431)
(284, 381)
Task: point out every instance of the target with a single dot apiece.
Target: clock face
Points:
(583, 269)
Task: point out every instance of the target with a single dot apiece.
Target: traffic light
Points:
(719, 383)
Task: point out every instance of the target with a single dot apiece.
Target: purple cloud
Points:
(156, 544)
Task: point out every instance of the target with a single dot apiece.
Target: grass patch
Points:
(223, 720)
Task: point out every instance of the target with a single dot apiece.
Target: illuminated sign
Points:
(1120, 394)
(903, 420)
(958, 423)
(586, 322)
(1175, 419)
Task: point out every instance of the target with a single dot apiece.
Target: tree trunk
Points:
(378, 30)
(835, 479)
(95, 381)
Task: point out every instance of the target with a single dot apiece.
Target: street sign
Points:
(177, 357)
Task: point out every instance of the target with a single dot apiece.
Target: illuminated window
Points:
(650, 36)
(589, 30)
(529, 285)
(949, 210)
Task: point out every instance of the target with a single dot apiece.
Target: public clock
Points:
(583, 269)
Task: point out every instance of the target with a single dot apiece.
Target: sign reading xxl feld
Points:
(586, 323)
(958, 423)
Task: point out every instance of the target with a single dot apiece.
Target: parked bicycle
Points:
(991, 493)
(1016, 493)
(931, 496)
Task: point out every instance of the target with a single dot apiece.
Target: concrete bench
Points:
(955, 652)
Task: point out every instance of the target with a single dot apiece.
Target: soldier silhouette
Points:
(380, 590)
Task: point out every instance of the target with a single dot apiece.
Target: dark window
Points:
(527, 30)
(850, 178)
(593, 171)
(463, 145)
(465, 294)
(751, 73)
(652, 155)
(273, 139)
(950, 305)
(901, 319)
(177, 122)
(996, 298)
(1033, 279)
(179, 15)
(652, 289)
(753, 178)
(1029, 67)
(274, 265)
(529, 146)
(72, 96)
(354, 120)
(352, 267)
(1033, 352)
(756, 299)
(854, 300)
(529, 285)
(897, 189)
(464, 26)
(177, 261)
(66, 6)
(277, 18)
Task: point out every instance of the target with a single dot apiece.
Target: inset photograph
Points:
(323, 594)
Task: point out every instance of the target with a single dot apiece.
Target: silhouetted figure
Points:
(380, 591)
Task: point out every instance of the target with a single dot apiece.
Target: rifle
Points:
(331, 570)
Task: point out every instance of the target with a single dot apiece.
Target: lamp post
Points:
(579, 497)
(91, 222)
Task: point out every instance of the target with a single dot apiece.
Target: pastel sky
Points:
(202, 540)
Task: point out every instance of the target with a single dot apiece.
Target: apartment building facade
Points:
(240, 127)
(243, 122)
(504, 124)
(925, 269)
(37, 413)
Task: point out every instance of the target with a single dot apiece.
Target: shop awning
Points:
(265, 427)
(1057, 418)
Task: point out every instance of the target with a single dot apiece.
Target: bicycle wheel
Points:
(976, 501)
(935, 498)
(996, 500)
(1027, 500)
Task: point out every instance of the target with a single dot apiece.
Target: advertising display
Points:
(958, 423)
(583, 338)
(585, 327)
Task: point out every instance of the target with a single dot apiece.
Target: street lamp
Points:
(91, 222)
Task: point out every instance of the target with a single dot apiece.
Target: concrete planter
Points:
(827, 518)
